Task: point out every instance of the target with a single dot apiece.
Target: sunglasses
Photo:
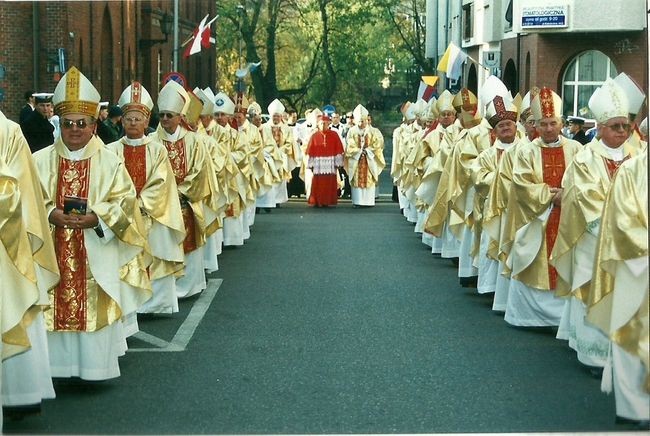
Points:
(167, 115)
(81, 124)
(619, 126)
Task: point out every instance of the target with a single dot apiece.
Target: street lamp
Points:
(166, 23)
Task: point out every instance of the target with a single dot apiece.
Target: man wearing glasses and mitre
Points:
(92, 207)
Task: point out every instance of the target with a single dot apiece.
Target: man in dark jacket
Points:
(575, 127)
(38, 130)
(27, 110)
(110, 130)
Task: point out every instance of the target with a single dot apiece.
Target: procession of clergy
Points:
(94, 233)
(556, 231)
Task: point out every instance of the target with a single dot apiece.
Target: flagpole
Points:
(175, 51)
(477, 62)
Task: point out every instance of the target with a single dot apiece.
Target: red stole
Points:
(176, 153)
(362, 169)
(135, 160)
(70, 295)
(612, 165)
(553, 167)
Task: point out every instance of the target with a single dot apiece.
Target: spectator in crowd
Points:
(110, 130)
(27, 110)
(37, 128)
(575, 129)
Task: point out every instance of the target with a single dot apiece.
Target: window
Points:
(583, 75)
(508, 17)
(468, 24)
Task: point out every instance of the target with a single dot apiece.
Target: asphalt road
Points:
(334, 321)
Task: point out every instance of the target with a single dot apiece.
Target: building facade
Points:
(571, 46)
(111, 42)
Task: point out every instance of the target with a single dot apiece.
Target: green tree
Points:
(316, 52)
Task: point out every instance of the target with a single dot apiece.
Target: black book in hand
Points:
(74, 205)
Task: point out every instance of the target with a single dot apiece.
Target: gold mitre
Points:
(173, 98)
(194, 108)
(276, 107)
(524, 105)
(206, 99)
(136, 98)
(466, 105)
(499, 109)
(516, 100)
(360, 113)
(609, 101)
(546, 104)
(465, 99)
(469, 119)
(444, 102)
(74, 94)
(224, 104)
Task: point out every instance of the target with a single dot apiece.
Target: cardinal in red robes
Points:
(325, 158)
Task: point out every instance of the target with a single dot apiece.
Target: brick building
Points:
(111, 42)
(571, 46)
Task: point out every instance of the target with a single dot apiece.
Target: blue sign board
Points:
(544, 16)
(544, 21)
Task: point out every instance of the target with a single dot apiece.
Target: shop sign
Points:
(544, 16)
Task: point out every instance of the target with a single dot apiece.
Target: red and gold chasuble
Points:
(176, 153)
(362, 169)
(553, 167)
(70, 295)
(135, 160)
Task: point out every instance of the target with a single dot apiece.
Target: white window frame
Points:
(575, 83)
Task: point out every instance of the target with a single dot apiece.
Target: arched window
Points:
(583, 75)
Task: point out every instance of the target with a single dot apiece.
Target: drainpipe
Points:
(518, 71)
(175, 48)
(36, 46)
(434, 30)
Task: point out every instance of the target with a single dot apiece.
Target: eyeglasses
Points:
(619, 126)
(133, 120)
(167, 115)
(81, 124)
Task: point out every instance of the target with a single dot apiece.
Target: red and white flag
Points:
(427, 87)
(200, 37)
